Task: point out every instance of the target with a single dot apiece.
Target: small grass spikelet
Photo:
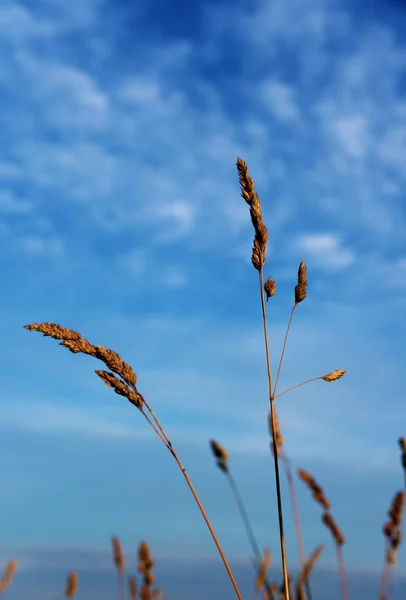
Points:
(118, 555)
(221, 455)
(301, 288)
(270, 288)
(334, 375)
(317, 491)
(8, 574)
(335, 531)
(71, 584)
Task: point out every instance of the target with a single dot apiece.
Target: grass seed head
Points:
(120, 388)
(118, 554)
(251, 197)
(317, 491)
(335, 531)
(8, 574)
(278, 434)
(71, 584)
(218, 450)
(270, 288)
(334, 375)
(301, 288)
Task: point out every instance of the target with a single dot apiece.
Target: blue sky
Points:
(120, 217)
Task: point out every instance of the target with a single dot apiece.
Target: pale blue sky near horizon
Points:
(121, 217)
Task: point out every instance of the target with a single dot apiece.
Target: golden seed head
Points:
(321, 499)
(71, 585)
(144, 553)
(278, 435)
(334, 529)
(252, 199)
(9, 571)
(120, 388)
(305, 476)
(218, 451)
(334, 375)
(402, 444)
(396, 509)
(76, 343)
(270, 288)
(118, 554)
(301, 288)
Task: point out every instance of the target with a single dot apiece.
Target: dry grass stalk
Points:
(8, 574)
(305, 572)
(402, 444)
(258, 261)
(127, 387)
(300, 295)
(282, 589)
(72, 583)
(333, 376)
(393, 537)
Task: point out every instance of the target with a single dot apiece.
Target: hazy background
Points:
(120, 216)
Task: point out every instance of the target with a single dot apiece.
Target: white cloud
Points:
(10, 205)
(326, 250)
(279, 97)
(352, 133)
(174, 277)
(134, 261)
(41, 245)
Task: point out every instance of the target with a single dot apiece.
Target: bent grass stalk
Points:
(126, 387)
